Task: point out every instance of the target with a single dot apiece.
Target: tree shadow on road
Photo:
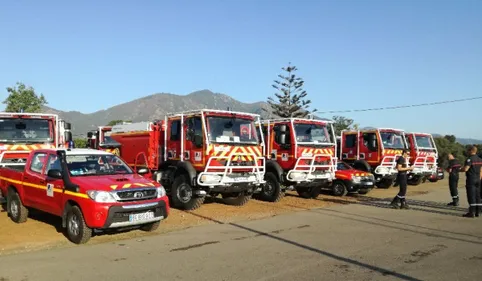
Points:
(383, 271)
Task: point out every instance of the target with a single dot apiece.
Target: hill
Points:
(157, 105)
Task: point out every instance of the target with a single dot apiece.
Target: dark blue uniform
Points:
(454, 168)
(472, 184)
(402, 182)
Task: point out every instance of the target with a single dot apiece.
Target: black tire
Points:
(308, 192)
(15, 208)
(271, 191)
(77, 230)
(433, 180)
(416, 181)
(150, 226)
(338, 188)
(182, 195)
(238, 199)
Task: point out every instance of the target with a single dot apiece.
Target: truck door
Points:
(174, 139)
(194, 142)
(55, 187)
(282, 148)
(35, 184)
(369, 147)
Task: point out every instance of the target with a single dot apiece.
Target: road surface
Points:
(364, 241)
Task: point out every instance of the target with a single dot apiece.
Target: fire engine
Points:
(101, 140)
(300, 153)
(21, 133)
(197, 153)
(424, 156)
(375, 151)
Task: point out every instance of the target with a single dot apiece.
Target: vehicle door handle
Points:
(25, 178)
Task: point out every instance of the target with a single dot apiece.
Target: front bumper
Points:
(124, 215)
(362, 185)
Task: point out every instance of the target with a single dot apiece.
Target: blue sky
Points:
(91, 55)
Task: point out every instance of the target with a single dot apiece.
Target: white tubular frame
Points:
(228, 174)
(308, 174)
(421, 164)
(12, 152)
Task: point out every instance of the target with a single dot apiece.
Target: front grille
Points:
(136, 194)
(124, 216)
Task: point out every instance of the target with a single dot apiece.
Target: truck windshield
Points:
(232, 130)
(17, 130)
(312, 133)
(96, 165)
(393, 140)
(424, 142)
(107, 138)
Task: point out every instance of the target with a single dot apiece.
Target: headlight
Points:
(356, 179)
(298, 175)
(210, 178)
(161, 192)
(101, 196)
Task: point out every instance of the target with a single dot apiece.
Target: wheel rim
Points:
(338, 188)
(74, 225)
(268, 188)
(184, 193)
(14, 208)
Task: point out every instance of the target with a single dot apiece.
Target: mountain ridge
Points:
(156, 105)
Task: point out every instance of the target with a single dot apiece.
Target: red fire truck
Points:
(197, 153)
(423, 156)
(21, 133)
(375, 151)
(101, 140)
(300, 153)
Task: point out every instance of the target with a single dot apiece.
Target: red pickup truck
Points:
(89, 189)
(349, 180)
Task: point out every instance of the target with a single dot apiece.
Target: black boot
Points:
(404, 205)
(454, 203)
(395, 202)
(471, 213)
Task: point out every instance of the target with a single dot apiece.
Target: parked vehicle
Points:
(375, 151)
(349, 180)
(89, 189)
(197, 153)
(21, 133)
(300, 153)
(440, 175)
(423, 157)
(100, 139)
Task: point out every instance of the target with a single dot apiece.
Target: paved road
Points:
(345, 242)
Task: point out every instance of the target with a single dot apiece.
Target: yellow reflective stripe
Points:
(44, 187)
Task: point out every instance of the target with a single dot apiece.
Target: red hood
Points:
(109, 183)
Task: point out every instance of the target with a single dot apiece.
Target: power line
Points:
(400, 106)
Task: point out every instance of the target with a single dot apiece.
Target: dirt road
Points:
(43, 231)
(354, 241)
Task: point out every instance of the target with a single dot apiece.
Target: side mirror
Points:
(68, 136)
(54, 173)
(143, 171)
(283, 128)
(282, 138)
(89, 135)
(198, 141)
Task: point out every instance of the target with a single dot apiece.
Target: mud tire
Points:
(239, 200)
(308, 192)
(150, 226)
(15, 208)
(271, 191)
(187, 202)
(77, 230)
(338, 188)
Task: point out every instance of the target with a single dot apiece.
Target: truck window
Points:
(277, 135)
(53, 163)
(368, 141)
(38, 162)
(350, 141)
(175, 130)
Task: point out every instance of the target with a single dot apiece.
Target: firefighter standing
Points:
(402, 168)
(453, 170)
(472, 169)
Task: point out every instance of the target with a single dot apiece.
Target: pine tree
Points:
(291, 96)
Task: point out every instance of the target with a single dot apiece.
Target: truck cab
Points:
(100, 139)
(300, 153)
(197, 153)
(423, 157)
(21, 133)
(89, 189)
(374, 150)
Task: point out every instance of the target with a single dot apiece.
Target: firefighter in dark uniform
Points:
(472, 169)
(453, 170)
(402, 168)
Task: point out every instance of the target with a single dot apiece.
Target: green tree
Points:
(80, 143)
(446, 145)
(23, 99)
(343, 123)
(291, 96)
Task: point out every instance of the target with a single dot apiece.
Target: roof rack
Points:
(264, 121)
(8, 114)
(132, 127)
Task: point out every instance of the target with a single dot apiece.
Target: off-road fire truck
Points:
(375, 151)
(197, 153)
(21, 133)
(300, 154)
(101, 140)
(423, 156)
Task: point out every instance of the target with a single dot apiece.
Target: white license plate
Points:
(141, 217)
(440, 174)
(241, 179)
(369, 183)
